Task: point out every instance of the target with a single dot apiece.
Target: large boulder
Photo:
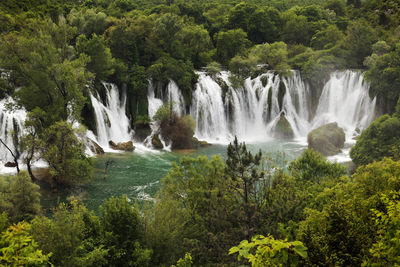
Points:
(283, 130)
(125, 146)
(197, 143)
(327, 139)
(95, 147)
(156, 142)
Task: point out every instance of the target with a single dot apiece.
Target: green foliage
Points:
(123, 233)
(185, 262)
(65, 155)
(177, 130)
(344, 229)
(197, 43)
(297, 30)
(312, 167)
(17, 248)
(88, 21)
(327, 38)
(358, 42)
(379, 140)
(213, 68)
(71, 236)
(167, 68)
(386, 250)
(264, 25)
(230, 43)
(101, 62)
(42, 64)
(273, 55)
(194, 213)
(384, 76)
(267, 251)
(4, 222)
(244, 169)
(20, 198)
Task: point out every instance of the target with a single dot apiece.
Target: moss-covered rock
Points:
(95, 148)
(10, 164)
(156, 142)
(327, 139)
(281, 93)
(197, 143)
(223, 85)
(124, 146)
(283, 130)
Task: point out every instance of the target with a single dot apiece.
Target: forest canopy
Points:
(242, 209)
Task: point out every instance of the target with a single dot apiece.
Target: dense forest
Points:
(247, 208)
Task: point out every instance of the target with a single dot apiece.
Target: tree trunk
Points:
(12, 154)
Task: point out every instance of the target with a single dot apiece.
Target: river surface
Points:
(138, 174)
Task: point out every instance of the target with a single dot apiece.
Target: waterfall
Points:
(252, 111)
(111, 120)
(345, 100)
(175, 97)
(249, 112)
(154, 103)
(11, 121)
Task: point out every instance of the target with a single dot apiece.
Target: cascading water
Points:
(174, 96)
(10, 122)
(345, 100)
(111, 120)
(252, 112)
(173, 93)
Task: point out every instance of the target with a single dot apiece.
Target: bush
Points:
(381, 139)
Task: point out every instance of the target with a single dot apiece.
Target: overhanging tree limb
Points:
(12, 154)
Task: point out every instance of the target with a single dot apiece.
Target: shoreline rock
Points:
(156, 142)
(283, 130)
(328, 139)
(95, 147)
(124, 146)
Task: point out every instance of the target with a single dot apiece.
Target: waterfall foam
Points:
(252, 111)
(111, 120)
(10, 122)
(345, 100)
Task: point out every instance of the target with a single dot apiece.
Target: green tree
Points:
(264, 25)
(42, 63)
(88, 21)
(358, 42)
(101, 61)
(267, 251)
(25, 198)
(72, 236)
(386, 250)
(246, 173)
(17, 248)
(194, 213)
(379, 140)
(122, 229)
(196, 40)
(296, 29)
(344, 229)
(65, 155)
(384, 77)
(239, 16)
(20, 198)
(229, 44)
(327, 38)
(166, 29)
(312, 167)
